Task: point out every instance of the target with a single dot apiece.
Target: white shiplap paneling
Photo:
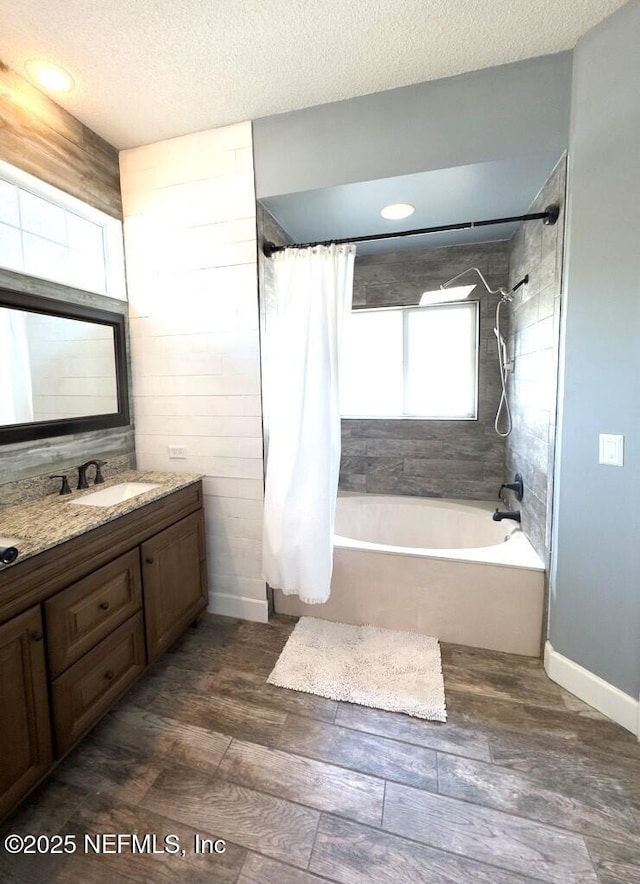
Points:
(190, 241)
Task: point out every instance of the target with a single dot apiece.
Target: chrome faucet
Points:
(82, 473)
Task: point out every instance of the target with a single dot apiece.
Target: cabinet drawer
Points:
(82, 615)
(85, 691)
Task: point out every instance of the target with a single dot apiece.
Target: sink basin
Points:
(114, 494)
(9, 541)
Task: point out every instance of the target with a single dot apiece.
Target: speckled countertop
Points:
(44, 523)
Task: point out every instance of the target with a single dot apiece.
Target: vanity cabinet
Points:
(80, 622)
(25, 734)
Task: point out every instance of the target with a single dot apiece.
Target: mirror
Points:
(62, 368)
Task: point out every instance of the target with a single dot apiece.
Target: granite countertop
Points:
(51, 520)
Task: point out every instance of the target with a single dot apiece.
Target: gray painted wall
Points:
(510, 111)
(461, 459)
(533, 320)
(595, 584)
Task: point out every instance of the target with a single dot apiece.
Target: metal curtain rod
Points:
(549, 216)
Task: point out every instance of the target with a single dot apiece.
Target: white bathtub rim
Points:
(485, 555)
(501, 554)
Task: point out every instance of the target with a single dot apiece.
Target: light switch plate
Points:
(177, 452)
(611, 450)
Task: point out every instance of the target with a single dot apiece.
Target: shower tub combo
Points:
(440, 567)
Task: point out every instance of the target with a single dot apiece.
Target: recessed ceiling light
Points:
(49, 76)
(397, 211)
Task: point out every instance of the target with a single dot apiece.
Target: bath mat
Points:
(381, 668)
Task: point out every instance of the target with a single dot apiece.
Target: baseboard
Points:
(239, 606)
(593, 690)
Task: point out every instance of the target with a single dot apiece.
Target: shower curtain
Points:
(308, 296)
(16, 399)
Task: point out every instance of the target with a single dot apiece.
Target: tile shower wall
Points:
(190, 239)
(461, 459)
(534, 328)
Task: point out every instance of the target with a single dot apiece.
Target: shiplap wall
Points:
(41, 138)
(190, 242)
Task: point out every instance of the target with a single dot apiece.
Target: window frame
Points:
(112, 236)
(416, 308)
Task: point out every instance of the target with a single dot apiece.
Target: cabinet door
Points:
(174, 579)
(25, 734)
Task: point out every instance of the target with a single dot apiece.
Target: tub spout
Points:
(499, 515)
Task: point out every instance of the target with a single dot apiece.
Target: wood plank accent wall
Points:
(41, 138)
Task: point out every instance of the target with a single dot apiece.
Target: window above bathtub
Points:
(411, 362)
(46, 233)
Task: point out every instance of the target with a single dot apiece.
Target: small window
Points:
(411, 362)
(47, 233)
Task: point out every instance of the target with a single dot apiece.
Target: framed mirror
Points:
(63, 368)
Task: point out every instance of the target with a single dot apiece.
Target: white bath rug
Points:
(381, 668)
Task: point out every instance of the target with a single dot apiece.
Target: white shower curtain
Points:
(308, 297)
(16, 398)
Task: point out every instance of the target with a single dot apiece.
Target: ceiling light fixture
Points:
(397, 211)
(49, 76)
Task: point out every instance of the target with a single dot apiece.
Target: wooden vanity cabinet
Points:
(104, 605)
(25, 732)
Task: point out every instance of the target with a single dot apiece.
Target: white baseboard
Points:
(593, 690)
(238, 606)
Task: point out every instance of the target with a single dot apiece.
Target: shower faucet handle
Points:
(517, 486)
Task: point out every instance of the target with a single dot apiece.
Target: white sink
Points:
(9, 541)
(115, 494)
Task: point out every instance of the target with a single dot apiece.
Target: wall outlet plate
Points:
(611, 450)
(177, 452)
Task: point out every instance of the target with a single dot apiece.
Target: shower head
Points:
(446, 295)
(447, 292)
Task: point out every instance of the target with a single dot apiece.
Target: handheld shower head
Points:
(502, 344)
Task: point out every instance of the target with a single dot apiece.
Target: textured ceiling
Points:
(152, 69)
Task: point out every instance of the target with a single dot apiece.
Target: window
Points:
(47, 233)
(411, 362)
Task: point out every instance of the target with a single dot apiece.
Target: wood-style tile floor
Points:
(523, 783)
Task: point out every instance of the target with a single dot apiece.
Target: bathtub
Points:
(439, 567)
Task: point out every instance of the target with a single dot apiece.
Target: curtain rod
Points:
(549, 216)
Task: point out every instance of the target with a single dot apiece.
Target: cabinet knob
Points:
(109, 674)
(36, 635)
(104, 606)
(149, 560)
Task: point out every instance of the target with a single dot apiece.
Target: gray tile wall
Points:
(534, 328)
(461, 459)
